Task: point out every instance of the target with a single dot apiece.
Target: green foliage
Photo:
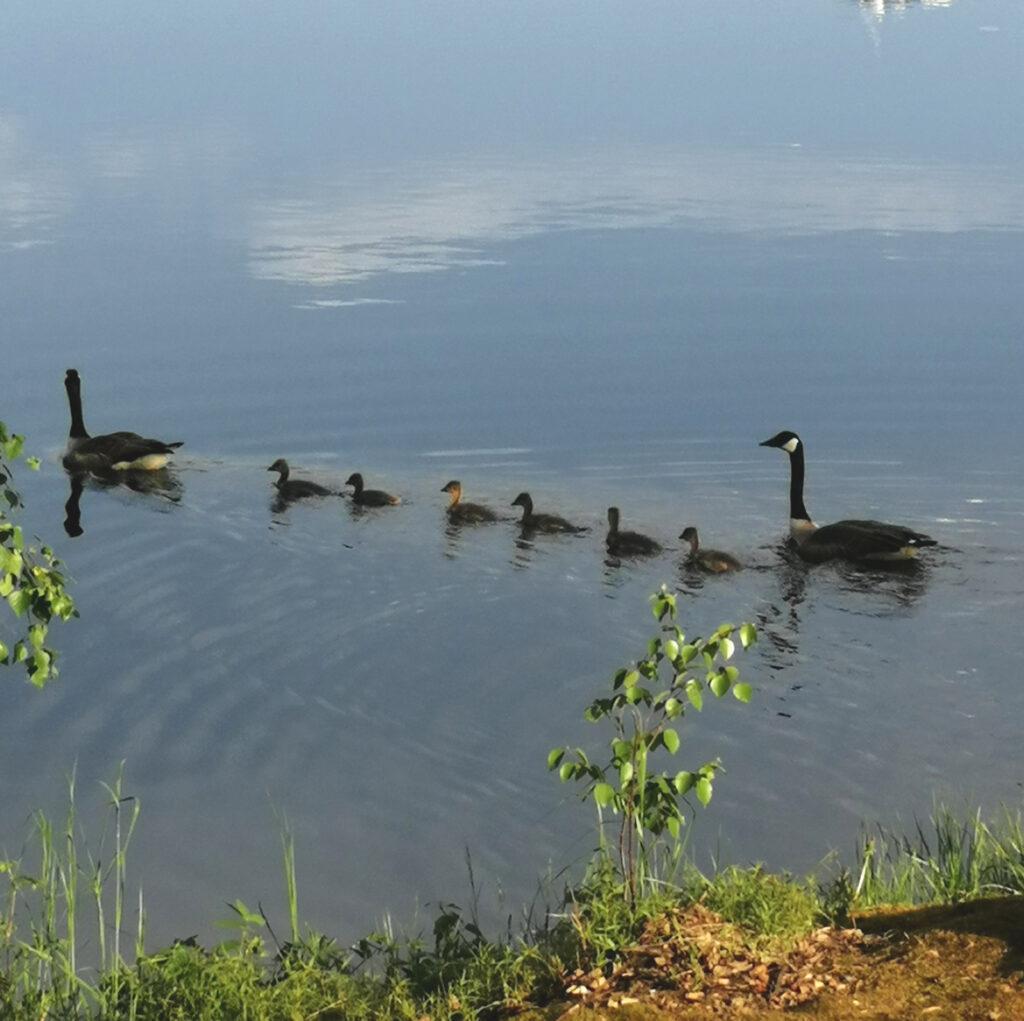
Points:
(953, 858)
(30, 578)
(41, 935)
(644, 710)
(762, 903)
(455, 974)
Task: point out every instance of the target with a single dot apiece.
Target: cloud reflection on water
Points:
(32, 195)
(447, 215)
(879, 8)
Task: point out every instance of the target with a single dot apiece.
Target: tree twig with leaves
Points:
(648, 802)
(30, 579)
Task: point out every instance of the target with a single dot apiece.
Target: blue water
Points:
(591, 252)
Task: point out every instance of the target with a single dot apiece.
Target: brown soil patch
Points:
(960, 963)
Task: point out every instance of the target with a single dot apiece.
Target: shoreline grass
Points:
(60, 897)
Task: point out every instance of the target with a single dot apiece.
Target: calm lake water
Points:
(582, 249)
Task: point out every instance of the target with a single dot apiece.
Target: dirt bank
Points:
(960, 963)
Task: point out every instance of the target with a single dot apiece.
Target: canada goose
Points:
(846, 540)
(541, 522)
(711, 560)
(112, 451)
(465, 513)
(368, 497)
(627, 543)
(294, 489)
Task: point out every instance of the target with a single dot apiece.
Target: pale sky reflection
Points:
(32, 195)
(879, 8)
(444, 216)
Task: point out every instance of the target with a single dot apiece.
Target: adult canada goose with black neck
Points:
(856, 540)
(465, 513)
(369, 497)
(713, 561)
(120, 451)
(627, 544)
(295, 489)
(533, 522)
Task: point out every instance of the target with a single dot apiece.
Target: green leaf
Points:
(604, 794)
(726, 647)
(684, 781)
(719, 684)
(625, 773)
(39, 668)
(663, 603)
(555, 757)
(748, 635)
(63, 606)
(670, 739)
(631, 678)
(20, 600)
(12, 447)
(671, 647)
(673, 708)
(10, 561)
(694, 692)
(742, 691)
(672, 825)
(566, 771)
(32, 462)
(3, 651)
(686, 653)
(703, 789)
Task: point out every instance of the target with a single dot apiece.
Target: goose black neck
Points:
(797, 510)
(73, 385)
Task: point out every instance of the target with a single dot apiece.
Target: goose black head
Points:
(522, 500)
(785, 440)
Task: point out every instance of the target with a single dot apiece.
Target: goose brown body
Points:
(294, 489)
(531, 521)
(369, 497)
(713, 561)
(117, 451)
(462, 512)
(629, 544)
(852, 539)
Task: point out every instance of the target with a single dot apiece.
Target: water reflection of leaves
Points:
(161, 485)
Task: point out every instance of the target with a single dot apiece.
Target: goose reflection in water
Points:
(887, 591)
(160, 484)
